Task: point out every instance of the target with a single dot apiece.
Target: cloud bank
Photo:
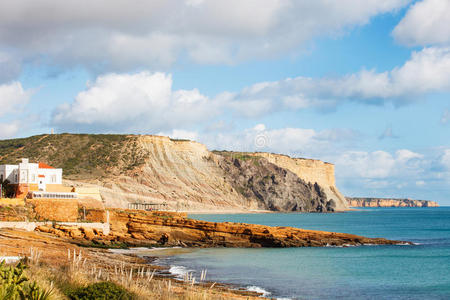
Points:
(122, 35)
(425, 72)
(13, 101)
(133, 103)
(146, 101)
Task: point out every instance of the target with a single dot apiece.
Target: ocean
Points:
(421, 271)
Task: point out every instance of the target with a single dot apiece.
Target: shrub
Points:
(15, 285)
(101, 290)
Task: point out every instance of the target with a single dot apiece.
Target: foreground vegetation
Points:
(78, 279)
(14, 284)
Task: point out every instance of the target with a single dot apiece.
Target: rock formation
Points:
(188, 177)
(139, 228)
(387, 202)
(273, 187)
(312, 171)
(185, 175)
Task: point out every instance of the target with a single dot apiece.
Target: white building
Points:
(34, 176)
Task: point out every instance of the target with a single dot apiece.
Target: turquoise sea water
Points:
(368, 272)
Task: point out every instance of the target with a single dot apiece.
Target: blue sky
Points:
(362, 84)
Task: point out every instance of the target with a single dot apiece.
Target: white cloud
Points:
(13, 98)
(181, 134)
(299, 142)
(133, 102)
(380, 164)
(119, 35)
(8, 130)
(405, 155)
(260, 127)
(427, 71)
(420, 183)
(426, 23)
(377, 164)
(145, 101)
(445, 160)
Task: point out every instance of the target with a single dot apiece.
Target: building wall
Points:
(9, 172)
(28, 172)
(29, 177)
(52, 176)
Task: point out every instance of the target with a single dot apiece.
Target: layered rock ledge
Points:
(139, 228)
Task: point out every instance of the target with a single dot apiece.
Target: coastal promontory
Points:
(389, 202)
(180, 174)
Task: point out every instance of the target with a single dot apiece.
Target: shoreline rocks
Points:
(150, 229)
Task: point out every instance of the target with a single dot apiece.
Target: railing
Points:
(147, 206)
(50, 195)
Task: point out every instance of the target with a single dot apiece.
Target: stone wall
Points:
(65, 210)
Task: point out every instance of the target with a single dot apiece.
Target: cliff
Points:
(272, 187)
(312, 171)
(183, 174)
(386, 202)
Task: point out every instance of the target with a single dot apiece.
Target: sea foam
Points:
(178, 271)
(257, 289)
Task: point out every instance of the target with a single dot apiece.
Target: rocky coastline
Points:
(59, 245)
(389, 202)
(164, 229)
(55, 262)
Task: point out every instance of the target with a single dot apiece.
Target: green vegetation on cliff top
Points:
(80, 155)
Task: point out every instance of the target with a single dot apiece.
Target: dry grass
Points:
(140, 280)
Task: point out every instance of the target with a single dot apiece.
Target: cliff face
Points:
(188, 177)
(272, 187)
(183, 174)
(385, 202)
(312, 171)
(179, 173)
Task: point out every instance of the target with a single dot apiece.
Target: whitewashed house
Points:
(33, 177)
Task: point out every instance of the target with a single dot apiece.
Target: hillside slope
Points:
(183, 174)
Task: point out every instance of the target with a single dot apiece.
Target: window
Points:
(53, 178)
(33, 178)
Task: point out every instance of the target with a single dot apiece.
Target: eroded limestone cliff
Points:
(386, 202)
(182, 174)
(272, 187)
(188, 177)
(312, 171)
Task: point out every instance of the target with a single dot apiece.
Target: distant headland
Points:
(389, 202)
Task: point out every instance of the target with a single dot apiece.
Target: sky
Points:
(363, 84)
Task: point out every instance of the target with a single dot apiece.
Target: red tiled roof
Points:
(44, 166)
(41, 176)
